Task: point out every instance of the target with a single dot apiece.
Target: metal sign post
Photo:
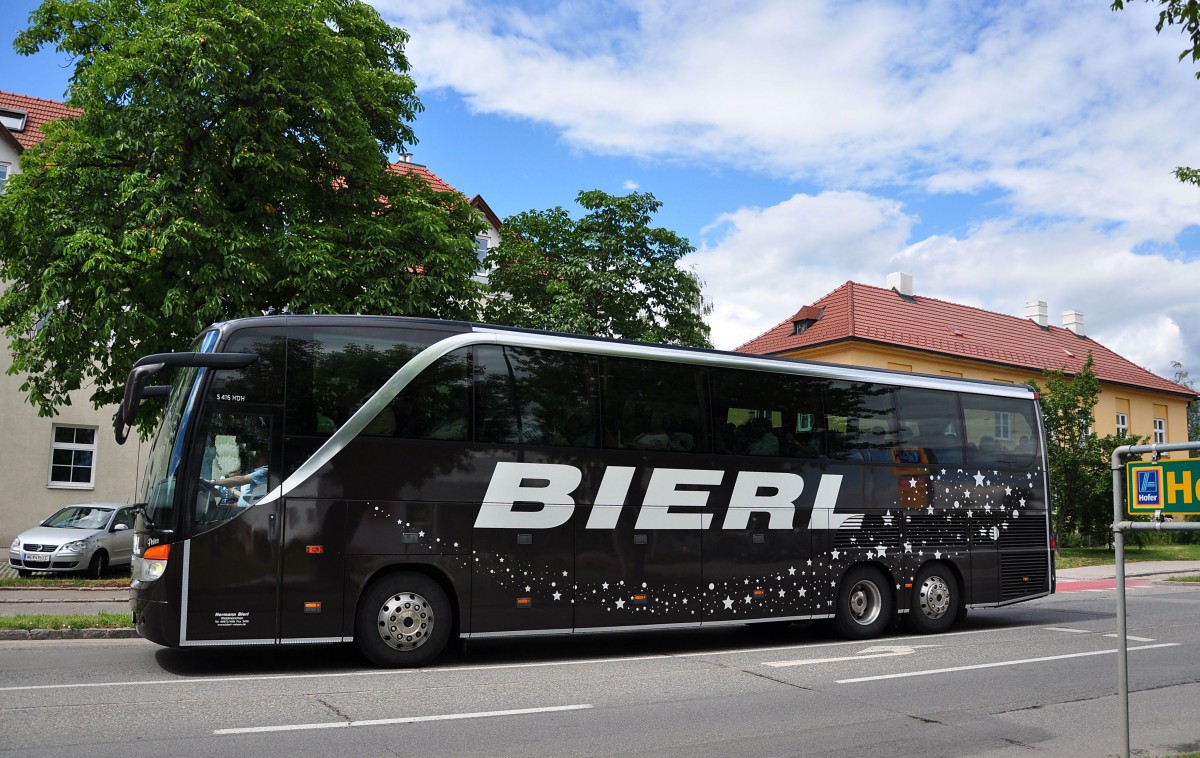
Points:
(1165, 487)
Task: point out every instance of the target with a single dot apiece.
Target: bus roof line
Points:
(485, 336)
(681, 354)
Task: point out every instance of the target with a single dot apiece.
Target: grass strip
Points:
(102, 620)
(1074, 557)
(118, 582)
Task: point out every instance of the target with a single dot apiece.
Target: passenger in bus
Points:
(763, 440)
(251, 485)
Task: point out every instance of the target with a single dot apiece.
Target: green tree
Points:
(1080, 474)
(1193, 410)
(1184, 14)
(231, 157)
(607, 274)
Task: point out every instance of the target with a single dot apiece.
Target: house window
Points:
(1003, 427)
(3, 175)
(1160, 431)
(1122, 425)
(73, 457)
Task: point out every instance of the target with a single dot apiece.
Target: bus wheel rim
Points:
(865, 602)
(934, 597)
(405, 621)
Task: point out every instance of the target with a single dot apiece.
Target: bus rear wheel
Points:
(403, 620)
(864, 603)
(936, 603)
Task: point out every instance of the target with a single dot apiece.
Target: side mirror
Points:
(120, 527)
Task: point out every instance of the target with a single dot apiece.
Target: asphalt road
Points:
(1037, 678)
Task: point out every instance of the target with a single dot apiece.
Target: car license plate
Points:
(37, 558)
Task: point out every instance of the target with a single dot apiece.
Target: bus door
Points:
(313, 558)
(232, 558)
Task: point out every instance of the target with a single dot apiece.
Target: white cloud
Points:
(1073, 115)
(765, 263)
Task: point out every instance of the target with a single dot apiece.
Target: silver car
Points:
(88, 538)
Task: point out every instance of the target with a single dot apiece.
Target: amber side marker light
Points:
(314, 549)
(157, 553)
(311, 607)
(524, 602)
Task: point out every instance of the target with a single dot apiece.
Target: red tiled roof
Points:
(40, 113)
(882, 316)
(434, 181)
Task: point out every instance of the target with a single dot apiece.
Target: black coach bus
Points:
(396, 481)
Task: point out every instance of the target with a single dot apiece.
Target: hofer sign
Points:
(1172, 487)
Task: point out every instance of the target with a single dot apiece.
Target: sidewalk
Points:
(57, 601)
(1159, 570)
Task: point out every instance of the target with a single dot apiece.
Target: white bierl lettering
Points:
(552, 487)
(508, 487)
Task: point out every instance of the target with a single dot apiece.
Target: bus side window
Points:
(534, 397)
(234, 466)
(931, 423)
(333, 371)
(436, 404)
(1000, 431)
(861, 421)
(766, 414)
(652, 405)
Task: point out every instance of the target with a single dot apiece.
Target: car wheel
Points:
(935, 600)
(98, 564)
(864, 603)
(403, 620)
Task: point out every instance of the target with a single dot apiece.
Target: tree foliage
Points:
(607, 274)
(231, 156)
(1193, 409)
(1080, 474)
(1184, 14)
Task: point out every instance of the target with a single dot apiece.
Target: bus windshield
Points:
(166, 450)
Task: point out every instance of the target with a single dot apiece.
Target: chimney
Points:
(1038, 312)
(1073, 321)
(901, 282)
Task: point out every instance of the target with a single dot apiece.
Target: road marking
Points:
(997, 664)
(879, 651)
(410, 720)
(1086, 631)
(331, 675)
(1131, 637)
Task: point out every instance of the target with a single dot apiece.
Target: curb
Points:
(21, 635)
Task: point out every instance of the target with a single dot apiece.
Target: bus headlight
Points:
(151, 564)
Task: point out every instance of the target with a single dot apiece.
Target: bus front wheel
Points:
(403, 620)
(936, 604)
(864, 604)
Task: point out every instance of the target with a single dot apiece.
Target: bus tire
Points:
(864, 603)
(403, 620)
(936, 603)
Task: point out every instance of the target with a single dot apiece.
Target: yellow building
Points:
(894, 328)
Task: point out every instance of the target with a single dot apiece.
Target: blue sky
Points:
(998, 152)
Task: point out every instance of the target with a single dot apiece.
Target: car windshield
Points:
(80, 517)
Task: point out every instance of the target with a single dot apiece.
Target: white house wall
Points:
(26, 496)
